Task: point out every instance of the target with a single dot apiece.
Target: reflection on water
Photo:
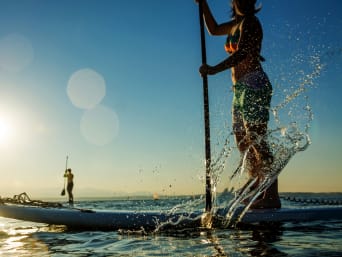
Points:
(16, 239)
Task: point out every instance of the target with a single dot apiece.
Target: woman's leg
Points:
(69, 189)
(249, 117)
(261, 160)
(239, 131)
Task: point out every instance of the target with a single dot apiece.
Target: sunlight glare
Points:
(5, 131)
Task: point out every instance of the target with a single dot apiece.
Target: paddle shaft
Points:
(208, 194)
(66, 167)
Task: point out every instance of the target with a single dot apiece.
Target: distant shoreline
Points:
(190, 197)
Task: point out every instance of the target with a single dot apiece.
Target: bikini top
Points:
(232, 41)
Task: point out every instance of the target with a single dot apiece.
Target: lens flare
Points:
(16, 53)
(100, 125)
(86, 88)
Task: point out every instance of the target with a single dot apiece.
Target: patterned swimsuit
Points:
(253, 92)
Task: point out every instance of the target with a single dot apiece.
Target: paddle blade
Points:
(63, 191)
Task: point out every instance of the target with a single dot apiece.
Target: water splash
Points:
(288, 135)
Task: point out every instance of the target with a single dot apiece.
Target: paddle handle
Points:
(208, 193)
(66, 162)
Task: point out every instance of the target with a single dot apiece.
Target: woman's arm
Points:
(249, 44)
(212, 26)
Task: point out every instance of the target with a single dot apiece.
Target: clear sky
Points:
(114, 85)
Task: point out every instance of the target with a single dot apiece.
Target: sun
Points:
(5, 131)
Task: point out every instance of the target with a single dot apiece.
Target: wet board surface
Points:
(113, 220)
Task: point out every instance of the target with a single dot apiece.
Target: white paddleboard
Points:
(113, 220)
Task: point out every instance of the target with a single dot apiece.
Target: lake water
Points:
(304, 239)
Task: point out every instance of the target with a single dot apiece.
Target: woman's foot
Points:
(269, 199)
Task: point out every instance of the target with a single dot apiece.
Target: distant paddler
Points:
(70, 184)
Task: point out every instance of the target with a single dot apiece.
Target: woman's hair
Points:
(245, 7)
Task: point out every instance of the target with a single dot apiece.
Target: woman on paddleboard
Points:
(251, 86)
(70, 184)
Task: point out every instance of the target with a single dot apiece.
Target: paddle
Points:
(208, 194)
(66, 166)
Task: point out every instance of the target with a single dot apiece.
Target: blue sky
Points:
(115, 86)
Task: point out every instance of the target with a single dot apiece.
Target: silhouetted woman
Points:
(251, 86)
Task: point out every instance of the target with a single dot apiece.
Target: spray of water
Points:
(288, 135)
